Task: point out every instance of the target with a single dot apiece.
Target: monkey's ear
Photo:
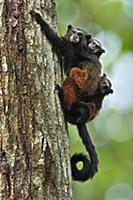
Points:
(103, 50)
(69, 26)
(89, 37)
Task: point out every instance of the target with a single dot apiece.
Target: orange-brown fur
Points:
(81, 81)
(70, 94)
(87, 77)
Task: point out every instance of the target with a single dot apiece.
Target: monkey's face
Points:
(95, 47)
(105, 85)
(77, 36)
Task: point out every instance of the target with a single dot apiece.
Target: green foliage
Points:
(110, 21)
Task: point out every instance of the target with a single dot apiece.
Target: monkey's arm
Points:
(51, 35)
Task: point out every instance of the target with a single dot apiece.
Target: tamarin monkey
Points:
(76, 49)
(84, 110)
(72, 47)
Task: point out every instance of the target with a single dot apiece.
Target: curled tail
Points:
(90, 166)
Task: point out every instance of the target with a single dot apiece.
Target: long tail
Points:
(90, 167)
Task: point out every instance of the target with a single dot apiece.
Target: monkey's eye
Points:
(94, 44)
(97, 43)
(73, 32)
(79, 34)
(89, 37)
(69, 26)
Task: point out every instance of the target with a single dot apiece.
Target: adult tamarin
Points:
(72, 47)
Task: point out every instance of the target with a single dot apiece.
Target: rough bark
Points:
(34, 147)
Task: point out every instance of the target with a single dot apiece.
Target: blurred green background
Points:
(111, 22)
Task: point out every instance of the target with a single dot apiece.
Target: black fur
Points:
(79, 115)
(74, 47)
(82, 175)
(72, 52)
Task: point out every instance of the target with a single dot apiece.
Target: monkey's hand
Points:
(105, 85)
(37, 16)
(33, 13)
(59, 90)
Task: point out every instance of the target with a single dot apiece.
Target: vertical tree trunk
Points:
(34, 150)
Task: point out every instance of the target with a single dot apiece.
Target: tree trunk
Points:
(34, 146)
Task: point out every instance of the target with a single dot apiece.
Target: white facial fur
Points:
(75, 37)
(94, 45)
